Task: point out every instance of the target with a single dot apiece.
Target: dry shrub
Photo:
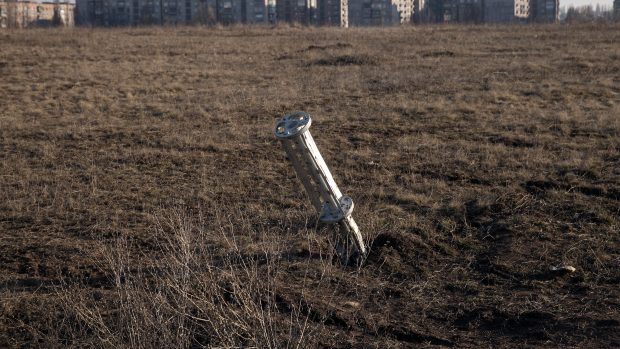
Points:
(195, 296)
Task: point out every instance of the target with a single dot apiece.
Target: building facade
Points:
(170, 12)
(333, 13)
(379, 12)
(545, 11)
(23, 14)
(404, 11)
(418, 12)
(506, 11)
(465, 10)
(307, 12)
(296, 11)
(489, 11)
(455, 10)
(321, 12)
(4, 15)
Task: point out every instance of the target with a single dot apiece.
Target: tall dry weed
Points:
(196, 296)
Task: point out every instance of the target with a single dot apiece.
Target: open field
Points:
(144, 201)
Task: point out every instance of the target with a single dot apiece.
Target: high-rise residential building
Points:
(545, 10)
(137, 12)
(470, 11)
(366, 12)
(296, 11)
(322, 12)
(380, 12)
(404, 11)
(333, 12)
(241, 11)
(454, 10)
(257, 11)
(4, 14)
(466, 10)
(419, 12)
(489, 11)
(22, 14)
(503, 11)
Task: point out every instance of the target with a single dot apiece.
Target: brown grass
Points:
(144, 201)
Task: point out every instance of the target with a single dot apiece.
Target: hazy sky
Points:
(568, 3)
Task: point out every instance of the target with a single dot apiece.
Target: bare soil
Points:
(481, 159)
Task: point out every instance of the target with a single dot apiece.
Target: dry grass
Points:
(208, 290)
(478, 158)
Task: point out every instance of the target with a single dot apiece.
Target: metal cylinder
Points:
(293, 132)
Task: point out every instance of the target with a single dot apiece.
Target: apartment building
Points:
(404, 11)
(489, 11)
(379, 12)
(296, 11)
(454, 11)
(418, 12)
(4, 15)
(464, 11)
(545, 11)
(333, 13)
(171, 12)
(22, 14)
(505, 11)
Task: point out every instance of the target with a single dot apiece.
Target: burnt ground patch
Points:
(344, 60)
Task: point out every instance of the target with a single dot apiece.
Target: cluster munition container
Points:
(293, 132)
